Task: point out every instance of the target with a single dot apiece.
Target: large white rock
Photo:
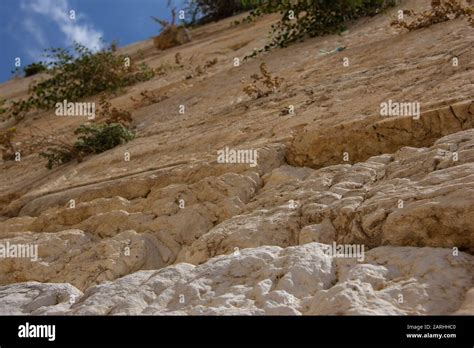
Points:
(35, 298)
(278, 281)
(78, 258)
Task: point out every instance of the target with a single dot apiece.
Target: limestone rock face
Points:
(276, 227)
(415, 197)
(362, 139)
(321, 233)
(33, 298)
(274, 281)
(387, 200)
(77, 258)
(176, 231)
(467, 307)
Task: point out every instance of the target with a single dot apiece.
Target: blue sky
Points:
(29, 26)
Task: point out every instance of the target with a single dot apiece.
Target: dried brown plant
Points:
(441, 11)
(262, 86)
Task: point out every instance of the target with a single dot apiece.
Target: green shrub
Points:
(34, 68)
(205, 11)
(79, 74)
(60, 154)
(92, 139)
(97, 138)
(310, 18)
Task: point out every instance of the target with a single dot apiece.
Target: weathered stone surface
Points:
(321, 233)
(275, 227)
(172, 231)
(79, 258)
(362, 138)
(402, 199)
(33, 298)
(276, 281)
(467, 307)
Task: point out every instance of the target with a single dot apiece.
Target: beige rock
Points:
(79, 258)
(333, 171)
(56, 219)
(467, 307)
(276, 227)
(275, 281)
(33, 298)
(321, 233)
(315, 147)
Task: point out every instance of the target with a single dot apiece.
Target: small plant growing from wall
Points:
(79, 74)
(92, 139)
(262, 85)
(440, 11)
(171, 35)
(7, 146)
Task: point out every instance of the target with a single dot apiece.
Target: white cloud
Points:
(58, 12)
(32, 28)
